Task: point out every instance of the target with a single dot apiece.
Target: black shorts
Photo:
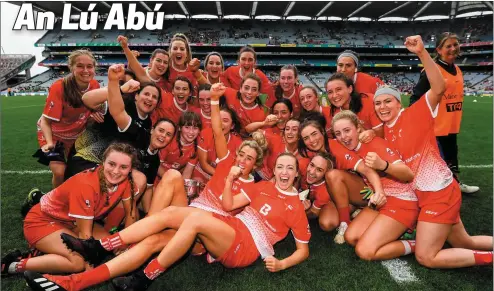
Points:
(76, 165)
(57, 154)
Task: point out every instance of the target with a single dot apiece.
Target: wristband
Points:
(215, 102)
(387, 165)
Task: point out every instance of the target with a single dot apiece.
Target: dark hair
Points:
(150, 84)
(302, 148)
(162, 51)
(164, 119)
(236, 123)
(355, 98)
(71, 92)
(214, 54)
(287, 154)
(278, 92)
(442, 39)
(189, 83)
(314, 90)
(130, 73)
(204, 87)
(285, 101)
(259, 83)
(181, 37)
(133, 154)
(247, 49)
(188, 118)
(349, 52)
(328, 157)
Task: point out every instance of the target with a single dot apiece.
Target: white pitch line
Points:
(8, 108)
(476, 166)
(400, 271)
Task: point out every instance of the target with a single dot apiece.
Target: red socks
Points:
(111, 242)
(92, 277)
(482, 258)
(153, 269)
(409, 246)
(344, 214)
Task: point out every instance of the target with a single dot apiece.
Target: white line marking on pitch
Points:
(8, 108)
(14, 172)
(400, 271)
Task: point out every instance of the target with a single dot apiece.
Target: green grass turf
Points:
(330, 266)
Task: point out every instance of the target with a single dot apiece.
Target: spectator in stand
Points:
(448, 120)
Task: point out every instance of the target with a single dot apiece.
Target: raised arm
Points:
(220, 144)
(115, 102)
(134, 64)
(415, 45)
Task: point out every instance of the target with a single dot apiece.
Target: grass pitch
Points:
(330, 266)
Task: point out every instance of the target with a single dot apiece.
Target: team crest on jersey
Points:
(348, 157)
(51, 105)
(390, 151)
(88, 205)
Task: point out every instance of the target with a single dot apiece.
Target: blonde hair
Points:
(253, 145)
(71, 92)
(348, 115)
(181, 37)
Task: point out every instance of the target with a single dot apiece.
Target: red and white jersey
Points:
(385, 151)
(318, 193)
(295, 99)
(365, 83)
(276, 146)
(412, 134)
(187, 73)
(206, 144)
(67, 122)
(160, 82)
(210, 197)
(326, 112)
(233, 79)
(206, 120)
(367, 114)
(222, 78)
(168, 108)
(271, 213)
(170, 157)
(80, 197)
(245, 115)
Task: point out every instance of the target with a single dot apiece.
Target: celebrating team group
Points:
(267, 157)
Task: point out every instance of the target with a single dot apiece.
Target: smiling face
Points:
(387, 107)
(147, 100)
(246, 159)
(249, 92)
(285, 172)
(159, 64)
(291, 132)
(205, 101)
(247, 61)
(161, 135)
(179, 52)
(116, 167)
(346, 65)
(316, 170)
(287, 80)
(214, 67)
(283, 113)
(346, 133)
(312, 138)
(450, 50)
(226, 122)
(308, 99)
(181, 92)
(188, 133)
(83, 70)
(338, 93)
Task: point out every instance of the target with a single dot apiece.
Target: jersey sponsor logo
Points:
(450, 96)
(389, 151)
(88, 204)
(412, 158)
(431, 212)
(451, 107)
(348, 157)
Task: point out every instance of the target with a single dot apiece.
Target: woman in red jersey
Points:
(157, 70)
(345, 187)
(343, 96)
(181, 62)
(275, 122)
(204, 109)
(214, 66)
(348, 64)
(245, 102)
(288, 87)
(411, 132)
(375, 233)
(181, 154)
(207, 158)
(64, 117)
(309, 100)
(72, 208)
(235, 75)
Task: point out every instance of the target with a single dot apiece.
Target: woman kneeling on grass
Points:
(271, 210)
(374, 233)
(72, 208)
(411, 132)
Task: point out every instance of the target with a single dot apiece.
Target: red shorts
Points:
(38, 225)
(441, 206)
(243, 251)
(404, 211)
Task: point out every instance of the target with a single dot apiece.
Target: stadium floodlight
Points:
(360, 9)
(218, 7)
(145, 6)
(289, 8)
(422, 9)
(395, 9)
(324, 8)
(453, 10)
(254, 8)
(181, 4)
